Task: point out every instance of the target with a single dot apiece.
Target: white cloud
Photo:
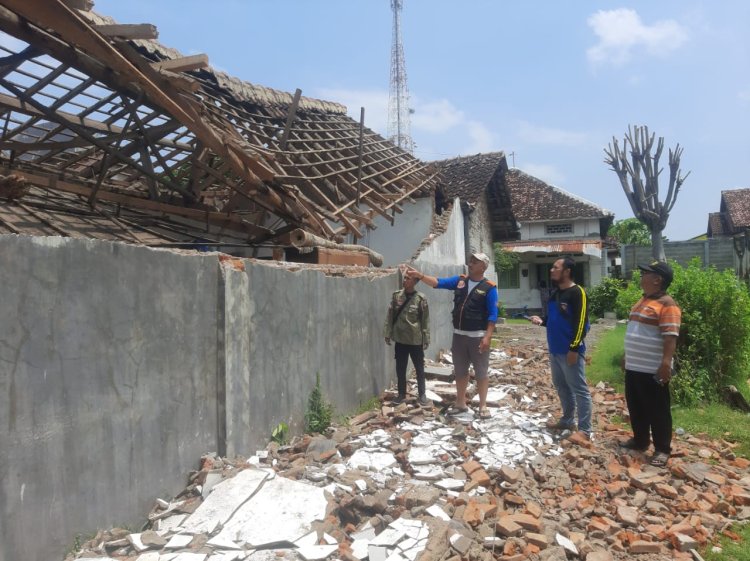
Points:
(545, 172)
(621, 31)
(535, 134)
(482, 140)
(429, 120)
(436, 116)
(375, 103)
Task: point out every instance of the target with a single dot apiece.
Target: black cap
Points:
(660, 268)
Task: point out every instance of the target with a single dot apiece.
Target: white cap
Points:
(482, 257)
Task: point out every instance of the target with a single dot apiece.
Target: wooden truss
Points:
(102, 121)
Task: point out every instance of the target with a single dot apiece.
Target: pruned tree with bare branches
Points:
(638, 170)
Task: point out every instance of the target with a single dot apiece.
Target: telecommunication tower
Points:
(398, 100)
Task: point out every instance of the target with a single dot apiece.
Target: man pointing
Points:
(474, 317)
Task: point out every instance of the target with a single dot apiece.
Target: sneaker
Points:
(399, 400)
(423, 400)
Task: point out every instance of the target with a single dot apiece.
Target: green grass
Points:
(731, 550)
(607, 358)
(517, 321)
(716, 420)
(369, 405)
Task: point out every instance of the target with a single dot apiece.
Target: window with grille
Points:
(566, 228)
(509, 278)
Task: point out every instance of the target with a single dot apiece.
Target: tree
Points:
(630, 231)
(504, 260)
(636, 162)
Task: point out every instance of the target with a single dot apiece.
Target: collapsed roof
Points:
(108, 135)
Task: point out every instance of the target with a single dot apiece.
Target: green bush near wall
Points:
(603, 297)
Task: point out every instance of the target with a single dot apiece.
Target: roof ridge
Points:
(564, 192)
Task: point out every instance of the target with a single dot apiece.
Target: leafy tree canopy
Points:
(630, 231)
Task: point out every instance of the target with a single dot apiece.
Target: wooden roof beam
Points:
(216, 218)
(85, 5)
(129, 30)
(183, 64)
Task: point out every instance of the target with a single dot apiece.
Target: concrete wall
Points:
(480, 234)
(448, 247)
(582, 228)
(443, 257)
(291, 325)
(108, 382)
(718, 252)
(120, 366)
(397, 242)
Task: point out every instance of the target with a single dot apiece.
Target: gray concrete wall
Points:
(397, 242)
(480, 235)
(448, 248)
(718, 252)
(290, 324)
(444, 257)
(120, 366)
(108, 381)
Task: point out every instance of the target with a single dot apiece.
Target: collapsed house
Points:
(113, 137)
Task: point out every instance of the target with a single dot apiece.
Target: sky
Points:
(548, 82)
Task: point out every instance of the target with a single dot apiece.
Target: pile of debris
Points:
(406, 482)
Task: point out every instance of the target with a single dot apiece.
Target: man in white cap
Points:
(474, 317)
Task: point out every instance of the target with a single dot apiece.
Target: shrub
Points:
(280, 433)
(714, 346)
(319, 412)
(629, 294)
(603, 297)
(713, 350)
(501, 312)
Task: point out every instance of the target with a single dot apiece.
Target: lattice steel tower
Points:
(399, 129)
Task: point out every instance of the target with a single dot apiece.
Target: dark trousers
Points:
(403, 352)
(650, 413)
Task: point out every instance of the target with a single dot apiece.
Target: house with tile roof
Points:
(733, 216)
(529, 217)
(733, 221)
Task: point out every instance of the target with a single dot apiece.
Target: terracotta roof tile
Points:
(735, 204)
(535, 200)
(467, 177)
(716, 224)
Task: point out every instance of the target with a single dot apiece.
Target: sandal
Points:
(631, 444)
(453, 410)
(659, 459)
(484, 413)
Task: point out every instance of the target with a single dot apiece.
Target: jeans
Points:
(570, 383)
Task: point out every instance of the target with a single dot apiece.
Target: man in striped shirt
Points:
(567, 323)
(650, 342)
